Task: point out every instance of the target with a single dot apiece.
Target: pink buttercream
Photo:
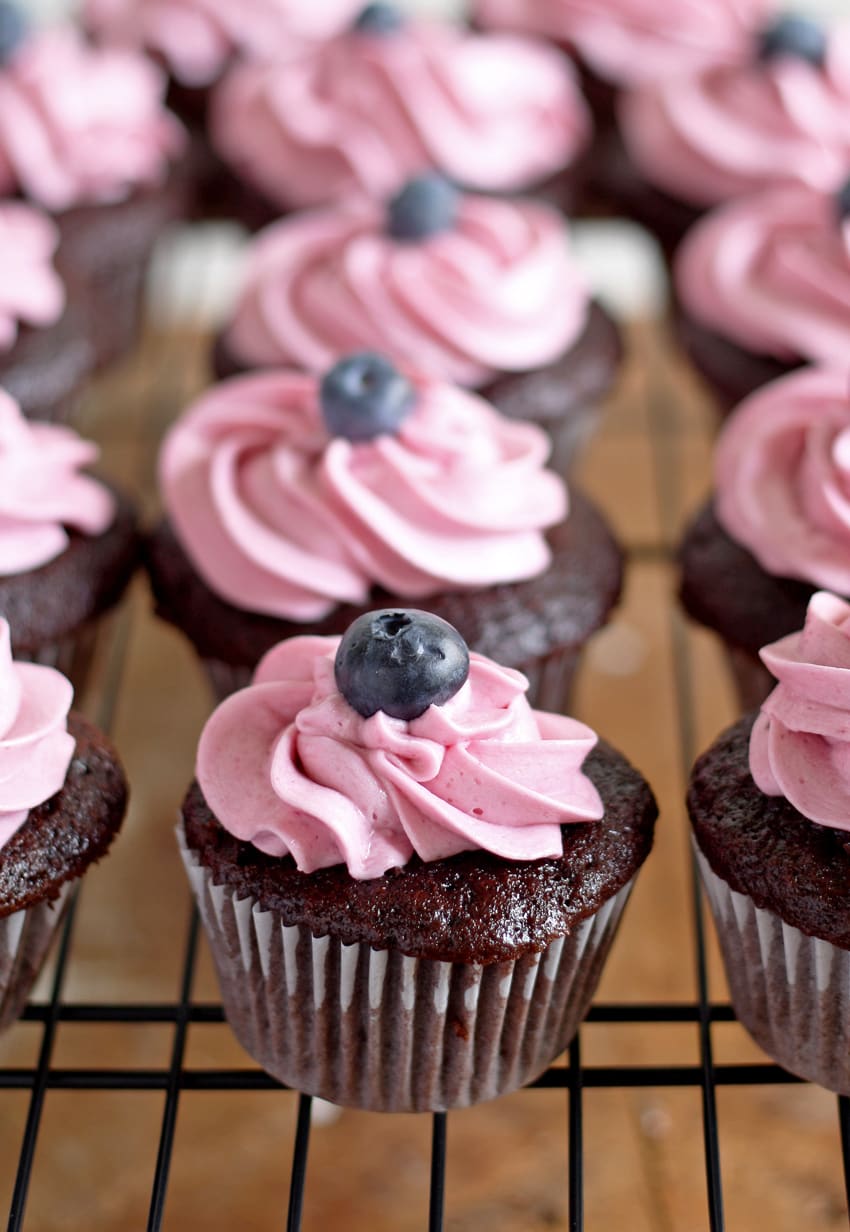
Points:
(80, 126)
(42, 491)
(279, 518)
(500, 291)
(782, 472)
(364, 113)
(772, 273)
(628, 42)
(197, 39)
(35, 745)
(289, 766)
(800, 741)
(31, 292)
(713, 136)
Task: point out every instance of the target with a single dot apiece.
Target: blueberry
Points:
(400, 662)
(14, 28)
(842, 202)
(379, 19)
(793, 35)
(425, 206)
(364, 396)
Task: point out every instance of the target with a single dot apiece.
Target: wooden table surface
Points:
(96, 1153)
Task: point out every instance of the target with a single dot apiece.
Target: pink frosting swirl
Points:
(197, 39)
(31, 292)
(772, 272)
(732, 130)
(290, 767)
(364, 113)
(35, 745)
(782, 473)
(42, 491)
(628, 42)
(500, 291)
(279, 518)
(800, 740)
(80, 126)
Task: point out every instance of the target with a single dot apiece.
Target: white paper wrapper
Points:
(376, 1029)
(790, 991)
(25, 939)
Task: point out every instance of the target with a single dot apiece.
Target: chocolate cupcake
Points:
(394, 97)
(84, 134)
(62, 800)
(782, 118)
(478, 291)
(293, 506)
(45, 354)
(433, 936)
(68, 543)
(770, 808)
(778, 527)
(196, 42)
(763, 286)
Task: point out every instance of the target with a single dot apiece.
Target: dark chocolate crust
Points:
(732, 372)
(46, 368)
(762, 847)
(724, 587)
(579, 378)
(472, 908)
(90, 576)
(511, 623)
(63, 836)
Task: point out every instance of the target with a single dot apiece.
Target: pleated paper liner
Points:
(379, 1030)
(25, 939)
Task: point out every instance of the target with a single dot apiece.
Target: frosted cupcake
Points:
(778, 527)
(62, 801)
(478, 291)
(393, 97)
(294, 505)
(84, 134)
(409, 878)
(68, 543)
(782, 119)
(45, 354)
(763, 286)
(770, 808)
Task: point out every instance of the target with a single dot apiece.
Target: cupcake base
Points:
(730, 372)
(46, 370)
(538, 626)
(424, 989)
(790, 991)
(25, 941)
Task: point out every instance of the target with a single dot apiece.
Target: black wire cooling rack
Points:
(573, 1078)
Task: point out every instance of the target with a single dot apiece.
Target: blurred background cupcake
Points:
(394, 96)
(400, 862)
(85, 135)
(45, 352)
(475, 290)
(778, 526)
(763, 286)
(292, 506)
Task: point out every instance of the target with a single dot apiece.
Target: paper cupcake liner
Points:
(25, 939)
(571, 437)
(376, 1029)
(790, 991)
(550, 678)
(753, 682)
(72, 655)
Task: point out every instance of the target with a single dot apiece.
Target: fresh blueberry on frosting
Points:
(426, 206)
(842, 201)
(794, 35)
(364, 396)
(400, 662)
(379, 19)
(13, 29)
